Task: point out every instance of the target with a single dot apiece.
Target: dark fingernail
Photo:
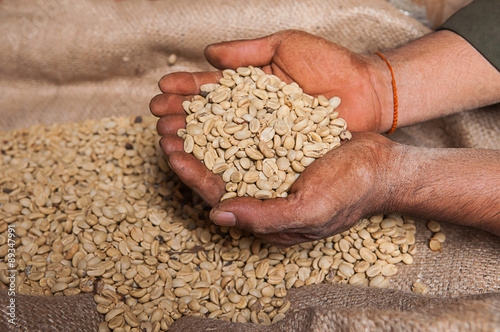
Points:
(224, 219)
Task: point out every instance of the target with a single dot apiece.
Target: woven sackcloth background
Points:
(65, 61)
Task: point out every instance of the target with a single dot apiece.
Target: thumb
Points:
(257, 216)
(243, 53)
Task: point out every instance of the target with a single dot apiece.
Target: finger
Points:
(186, 83)
(242, 53)
(194, 174)
(165, 104)
(171, 144)
(169, 124)
(259, 216)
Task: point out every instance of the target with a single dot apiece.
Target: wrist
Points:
(381, 80)
(403, 164)
(383, 158)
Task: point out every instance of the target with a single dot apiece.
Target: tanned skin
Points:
(436, 75)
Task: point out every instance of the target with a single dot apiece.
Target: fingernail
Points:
(224, 219)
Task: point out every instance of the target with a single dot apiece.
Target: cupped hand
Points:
(330, 196)
(319, 66)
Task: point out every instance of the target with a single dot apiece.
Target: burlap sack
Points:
(65, 61)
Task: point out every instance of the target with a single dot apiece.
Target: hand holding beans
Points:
(346, 183)
(329, 197)
(318, 66)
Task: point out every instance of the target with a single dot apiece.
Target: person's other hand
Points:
(329, 197)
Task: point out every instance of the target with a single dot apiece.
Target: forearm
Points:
(436, 75)
(460, 186)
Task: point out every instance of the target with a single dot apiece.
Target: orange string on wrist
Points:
(394, 93)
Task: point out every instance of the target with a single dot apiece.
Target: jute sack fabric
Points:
(65, 61)
(54, 314)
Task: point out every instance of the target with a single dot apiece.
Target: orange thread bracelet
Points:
(394, 93)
